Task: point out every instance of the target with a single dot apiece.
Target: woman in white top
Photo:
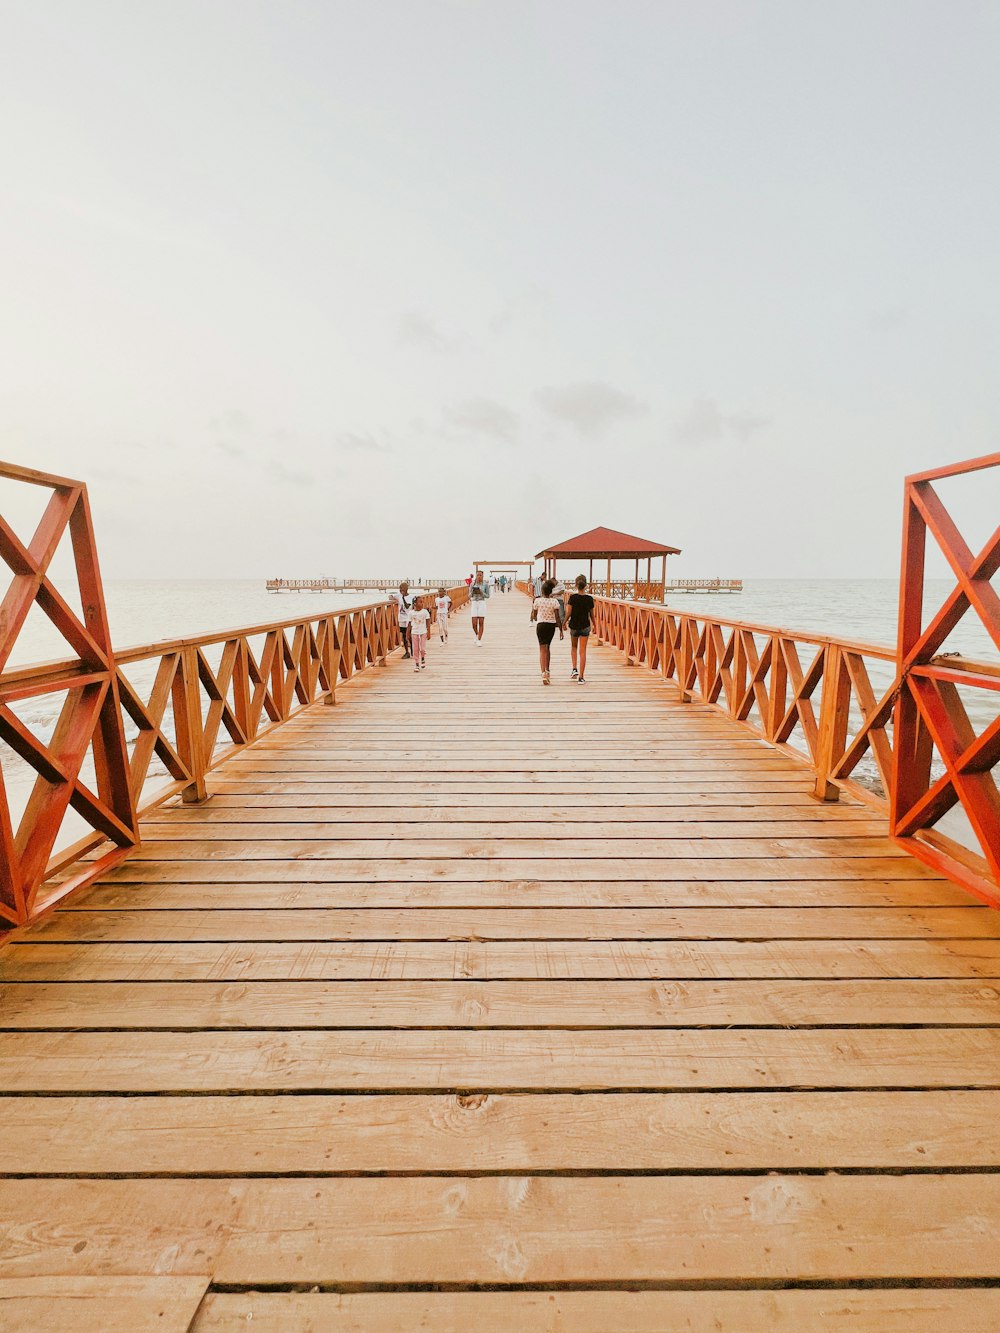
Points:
(545, 613)
(478, 594)
(442, 605)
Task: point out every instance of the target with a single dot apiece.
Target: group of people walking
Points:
(551, 610)
(414, 621)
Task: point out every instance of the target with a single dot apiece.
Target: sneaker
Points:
(580, 680)
(423, 666)
(574, 674)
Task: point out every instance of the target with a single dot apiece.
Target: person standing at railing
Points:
(581, 608)
(478, 596)
(404, 606)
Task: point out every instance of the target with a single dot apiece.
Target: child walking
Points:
(442, 605)
(545, 612)
(418, 637)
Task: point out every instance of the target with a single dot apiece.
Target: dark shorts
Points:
(546, 633)
(579, 633)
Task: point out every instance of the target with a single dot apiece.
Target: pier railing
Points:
(132, 728)
(892, 726)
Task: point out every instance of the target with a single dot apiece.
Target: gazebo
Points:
(607, 545)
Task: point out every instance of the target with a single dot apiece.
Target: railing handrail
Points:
(755, 627)
(158, 647)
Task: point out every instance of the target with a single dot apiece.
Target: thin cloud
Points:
(231, 448)
(358, 442)
(417, 330)
(706, 423)
(887, 319)
(744, 425)
(590, 407)
(485, 416)
(288, 476)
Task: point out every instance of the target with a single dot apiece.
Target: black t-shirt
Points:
(581, 604)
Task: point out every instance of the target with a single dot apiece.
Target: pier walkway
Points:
(470, 1003)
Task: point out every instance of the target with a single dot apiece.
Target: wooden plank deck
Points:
(474, 1003)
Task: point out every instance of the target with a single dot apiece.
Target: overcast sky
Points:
(313, 286)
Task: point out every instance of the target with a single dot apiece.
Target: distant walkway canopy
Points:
(608, 545)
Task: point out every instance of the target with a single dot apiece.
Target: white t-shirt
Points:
(418, 622)
(443, 605)
(403, 605)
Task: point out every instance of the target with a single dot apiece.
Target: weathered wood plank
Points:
(394, 805)
(907, 1310)
(100, 1304)
(177, 894)
(389, 1060)
(514, 959)
(518, 923)
(484, 870)
(485, 1004)
(508, 1229)
(560, 1132)
(382, 848)
(638, 834)
(352, 786)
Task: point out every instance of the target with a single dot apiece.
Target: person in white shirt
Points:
(418, 637)
(478, 596)
(404, 606)
(442, 605)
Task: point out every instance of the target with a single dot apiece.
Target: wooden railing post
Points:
(835, 707)
(685, 660)
(188, 725)
(778, 693)
(331, 662)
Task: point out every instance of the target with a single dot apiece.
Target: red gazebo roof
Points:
(607, 542)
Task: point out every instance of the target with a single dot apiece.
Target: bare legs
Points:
(544, 657)
(478, 622)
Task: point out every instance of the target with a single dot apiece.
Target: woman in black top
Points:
(581, 607)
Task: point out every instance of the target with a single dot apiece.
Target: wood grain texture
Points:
(839, 1311)
(100, 1304)
(552, 1058)
(461, 985)
(524, 1133)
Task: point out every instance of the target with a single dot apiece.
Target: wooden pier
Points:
(473, 1003)
(702, 585)
(354, 585)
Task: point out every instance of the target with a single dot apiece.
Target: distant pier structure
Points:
(703, 585)
(356, 585)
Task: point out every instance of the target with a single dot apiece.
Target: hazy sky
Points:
(319, 287)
